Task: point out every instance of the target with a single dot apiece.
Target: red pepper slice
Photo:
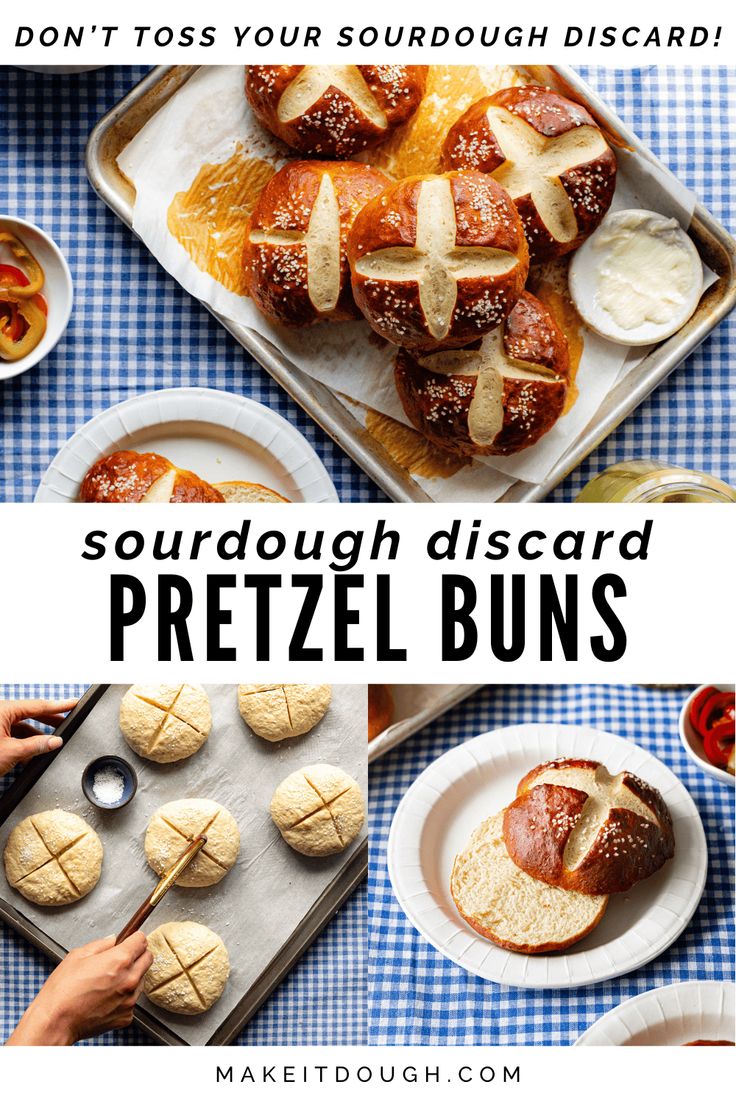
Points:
(721, 705)
(717, 749)
(10, 276)
(696, 709)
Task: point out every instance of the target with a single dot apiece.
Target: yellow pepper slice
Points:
(36, 322)
(28, 263)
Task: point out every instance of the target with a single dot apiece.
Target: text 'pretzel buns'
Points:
(549, 153)
(128, 476)
(576, 826)
(334, 110)
(296, 246)
(438, 261)
(494, 400)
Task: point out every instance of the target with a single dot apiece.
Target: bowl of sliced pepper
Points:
(35, 295)
(707, 728)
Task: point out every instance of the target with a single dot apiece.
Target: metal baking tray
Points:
(349, 876)
(715, 245)
(401, 730)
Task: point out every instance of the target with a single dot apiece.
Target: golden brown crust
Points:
(123, 476)
(472, 144)
(438, 403)
(484, 218)
(334, 125)
(127, 476)
(380, 709)
(627, 847)
(278, 272)
(529, 948)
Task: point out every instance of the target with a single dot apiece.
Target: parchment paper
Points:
(259, 904)
(204, 122)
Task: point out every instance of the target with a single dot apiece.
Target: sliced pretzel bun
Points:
(438, 261)
(128, 476)
(578, 827)
(550, 154)
(510, 908)
(239, 491)
(380, 709)
(295, 249)
(497, 399)
(334, 110)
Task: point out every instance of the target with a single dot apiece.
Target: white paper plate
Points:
(672, 1016)
(216, 434)
(476, 779)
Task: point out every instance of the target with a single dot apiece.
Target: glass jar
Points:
(654, 481)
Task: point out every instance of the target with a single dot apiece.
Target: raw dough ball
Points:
(279, 710)
(53, 858)
(165, 723)
(190, 968)
(177, 823)
(319, 810)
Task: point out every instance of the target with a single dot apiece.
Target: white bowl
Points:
(693, 744)
(57, 289)
(588, 260)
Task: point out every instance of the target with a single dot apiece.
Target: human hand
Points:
(19, 740)
(93, 990)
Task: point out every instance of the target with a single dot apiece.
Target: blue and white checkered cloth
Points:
(321, 1002)
(133, 329)
(416, 996)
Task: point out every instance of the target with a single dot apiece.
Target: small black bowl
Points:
(120, 767)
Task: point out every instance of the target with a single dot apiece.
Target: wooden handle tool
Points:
(167, 881)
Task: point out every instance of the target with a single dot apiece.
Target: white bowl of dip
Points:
(637, 279)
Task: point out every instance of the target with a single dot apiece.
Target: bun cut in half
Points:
(496, 399)
(128, 476)
(578, 827)
(509, 907)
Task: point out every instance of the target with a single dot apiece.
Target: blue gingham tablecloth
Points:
(416, 996)
(321, 1002)
(134, 330)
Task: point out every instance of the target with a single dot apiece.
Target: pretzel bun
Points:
(128, 476)
(523, 367)
(550, 154)
(380, 709)
(438, 261)
(334, 110)
(576, 826)
(295, 251)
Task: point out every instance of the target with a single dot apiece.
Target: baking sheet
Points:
(205, 122)
(415, 706)
(260, 903)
